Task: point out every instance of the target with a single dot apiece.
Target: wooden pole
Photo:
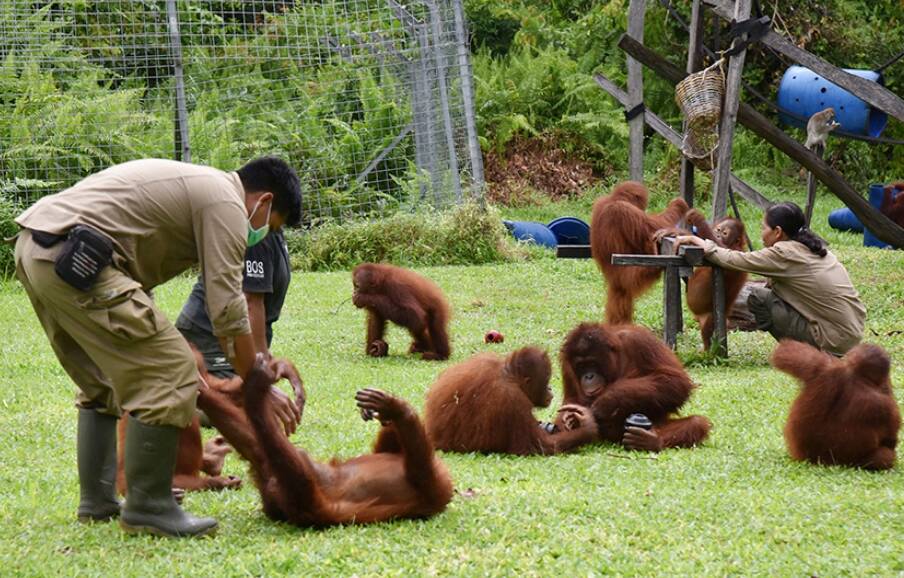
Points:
(718, 346)
(883, 227)
(729, 117)
(182, 143)
(694, 58)
(811, 189)
(636, 12)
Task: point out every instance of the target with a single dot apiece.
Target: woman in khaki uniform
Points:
(809, 296)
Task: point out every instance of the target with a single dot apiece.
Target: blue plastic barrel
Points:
(845, 220)
(876, 191)
(532, 232)
(570, 231)
(805, 93)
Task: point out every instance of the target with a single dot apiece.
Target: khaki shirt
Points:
(817, 287)
(163, 217)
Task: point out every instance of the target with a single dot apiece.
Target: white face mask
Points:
(255, 236)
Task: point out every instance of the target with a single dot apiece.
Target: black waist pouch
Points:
(84, 255)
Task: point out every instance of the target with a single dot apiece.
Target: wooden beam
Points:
(636, 11)
(648, 260)
(883, 227)
(673, 323)
(669, 134)
(718, 345)
(729, 117)
(749, 193)
(694, 61)
(573, 252)
(811, 189)
(872, 92)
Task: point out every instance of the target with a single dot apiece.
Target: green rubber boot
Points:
(96, 456)
(150, 507)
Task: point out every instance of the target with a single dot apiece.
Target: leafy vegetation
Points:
(9, 210)
(535, 59)
(103, 102)
(466, 234)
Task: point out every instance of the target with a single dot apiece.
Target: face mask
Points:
(255, 236)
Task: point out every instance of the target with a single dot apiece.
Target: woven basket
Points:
(700, 147)
(699, 96)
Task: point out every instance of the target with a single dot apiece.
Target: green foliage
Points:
(466, 234)
(61, 123)
(542, 80)
(492, 24)
(102, 102)
(9, 210)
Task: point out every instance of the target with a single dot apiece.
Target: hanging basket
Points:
(699, 96)
(700, 148)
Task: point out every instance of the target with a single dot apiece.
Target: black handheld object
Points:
(84, 255)
(638, 420)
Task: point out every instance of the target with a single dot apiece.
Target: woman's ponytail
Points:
(790, 218)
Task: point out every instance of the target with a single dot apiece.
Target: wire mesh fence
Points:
(370, 100)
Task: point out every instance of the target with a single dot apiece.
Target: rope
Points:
(890, 62)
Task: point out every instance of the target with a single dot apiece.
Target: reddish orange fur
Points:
(193, 458)
(485, 404)
(845, 413)
(190, 460)
(730, 233)
(893, 203)
(402, 478)
(620, 224)
(640, 375)
(190, 463)
(391, 293)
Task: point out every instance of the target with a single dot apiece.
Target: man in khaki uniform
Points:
(161, 217)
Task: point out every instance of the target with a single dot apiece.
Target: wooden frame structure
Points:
(733, 111)
(681, 266)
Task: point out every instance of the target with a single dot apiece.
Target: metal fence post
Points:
(182, 145)
(467, 94)
(440, 64)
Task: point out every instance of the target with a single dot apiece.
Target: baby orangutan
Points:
(391, 293)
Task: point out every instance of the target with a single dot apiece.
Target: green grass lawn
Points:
(736, 505)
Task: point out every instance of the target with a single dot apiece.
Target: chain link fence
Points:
(370, 100)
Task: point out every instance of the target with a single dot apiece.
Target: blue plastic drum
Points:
(805, 93)
(532, 232)
(876, 191)
(845, 220)
(570, 231)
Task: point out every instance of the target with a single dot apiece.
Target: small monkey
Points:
(818, 128)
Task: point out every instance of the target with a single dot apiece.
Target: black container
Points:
(639, 420)
(547, 426)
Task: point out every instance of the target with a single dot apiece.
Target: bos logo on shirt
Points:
(254, 269)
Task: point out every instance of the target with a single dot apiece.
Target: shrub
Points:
(8, 227)
(466, 234)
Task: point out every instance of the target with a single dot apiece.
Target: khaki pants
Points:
(777, 317)
(118, 348)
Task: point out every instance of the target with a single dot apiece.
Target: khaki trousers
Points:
(112, 340)
(777, 317)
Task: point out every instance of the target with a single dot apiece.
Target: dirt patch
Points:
(533, 168)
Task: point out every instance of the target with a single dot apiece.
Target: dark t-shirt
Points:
(266, 271)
